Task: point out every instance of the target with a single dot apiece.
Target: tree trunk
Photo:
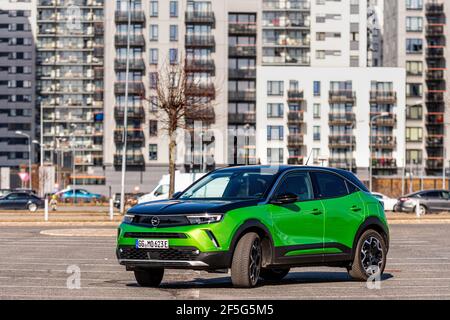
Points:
(172, 152)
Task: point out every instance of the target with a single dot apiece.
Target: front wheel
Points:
(274, 274)
(247, 258)
(32, 207)
(370, 256)
(149, 277)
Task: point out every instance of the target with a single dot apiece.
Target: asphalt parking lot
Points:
(34, 266)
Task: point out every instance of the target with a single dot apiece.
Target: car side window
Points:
(431, 194)
(445, 195)
(298, 184)
(330, 185)
(352, 188)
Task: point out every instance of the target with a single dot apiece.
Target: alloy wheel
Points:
(372, 256)
(255, 261)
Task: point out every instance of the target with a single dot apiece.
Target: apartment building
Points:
(70, 72)
(415, 38)
(17, 86)
(375, 29)
(336, 117)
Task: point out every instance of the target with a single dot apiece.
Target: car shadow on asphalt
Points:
(294, 278)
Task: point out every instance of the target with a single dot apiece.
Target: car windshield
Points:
(231, 185)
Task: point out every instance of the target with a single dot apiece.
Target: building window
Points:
(316, 133)
(275, 110)
(154, 56)
(275, 133)
(414, 156)
(316, 110)
(414, 4)
(414, 112)
(173, 56)
(173, 9)
(153, 103)
(414, 45)
(174, 32)
(154, 32)
(414, 134)
(316, 88)
(414, 90)
(153, 128)
(275, 88)
(414, 24)
(275, 155)
(414, 68)
(153, 152)
(153, 8)
(153, 77)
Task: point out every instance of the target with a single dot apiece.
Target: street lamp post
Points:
(125, 117)
(20, 133)
(372, 120)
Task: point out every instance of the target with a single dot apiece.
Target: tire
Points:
(361, 268)
(422, 210)
(149, 277)
(32, 207)
(274, 274)
(246, 264)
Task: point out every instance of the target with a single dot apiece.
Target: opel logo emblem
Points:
(155, 221)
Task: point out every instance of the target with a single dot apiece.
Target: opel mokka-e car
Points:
(258, 221)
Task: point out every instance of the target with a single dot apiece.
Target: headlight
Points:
(205, 218)
(128, 218)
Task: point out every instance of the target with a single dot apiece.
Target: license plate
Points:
(152, 244)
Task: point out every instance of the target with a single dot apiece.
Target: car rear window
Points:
(330, 185)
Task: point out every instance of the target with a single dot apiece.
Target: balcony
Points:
(435, 30)
(296, 160)
(342, 141)
(200, 41)
(201, 90)
(342, 96)
(435, 75)
(384, 142)
(135, 64)
(242, 29)
(242, 51)
(201, 114)
(435, 97)
(133, 136)
(435, 53)
(295, 140)
(134, 88)
(137, 40)
(206, 65)
(383, 97)
(434, 8)
(435, 119)
(295, 95)
(342, 119)
(137, 113)
(389, 121)
(132, 160)
(384, 163)
(137, 16)
(295, 117)
(286, 5)
(244, 96)
(342, 163)
(242, 118)
(200, 17)
(242, 73)
(435, 163)
(435, 141)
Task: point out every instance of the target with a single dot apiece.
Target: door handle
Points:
(316, 212)
(355, 209)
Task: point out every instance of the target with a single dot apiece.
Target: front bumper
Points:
(173, 258)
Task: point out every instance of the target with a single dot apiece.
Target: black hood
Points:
(171, 207)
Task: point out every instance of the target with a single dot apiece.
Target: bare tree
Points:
(181, 99)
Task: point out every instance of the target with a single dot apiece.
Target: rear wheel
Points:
(149, 277)
(247, 258)
(422, 210)
(370, 256)
(274, 274)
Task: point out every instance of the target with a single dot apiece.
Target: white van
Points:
(161, 192)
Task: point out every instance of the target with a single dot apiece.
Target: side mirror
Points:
(176, 194)
(285, 198)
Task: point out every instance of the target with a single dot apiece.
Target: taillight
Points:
(404, 199)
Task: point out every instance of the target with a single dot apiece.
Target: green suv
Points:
(258, 221)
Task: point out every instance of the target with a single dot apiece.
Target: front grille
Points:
(155, 235)
(163, 221)
(179, 254)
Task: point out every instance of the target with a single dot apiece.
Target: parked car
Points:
(428, 201)
(79, 194)
(161, 191)
(388, 203)
(21, 201)
(131, 199)
(258, 223)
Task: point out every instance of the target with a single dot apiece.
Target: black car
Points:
(21, 201)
